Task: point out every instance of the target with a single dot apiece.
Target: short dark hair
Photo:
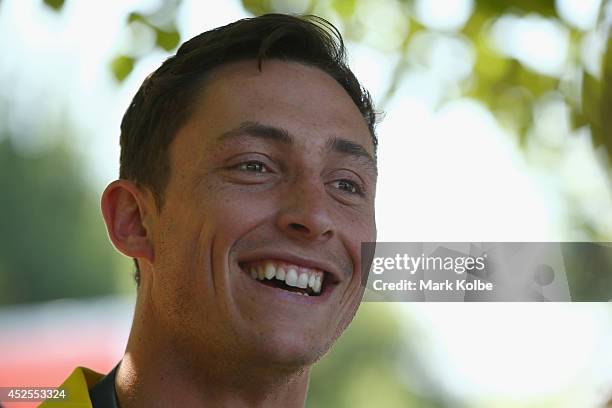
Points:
(166, 98)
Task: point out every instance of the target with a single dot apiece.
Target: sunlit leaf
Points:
(591, 100)
(414, 26)
(513, 106)
(257, 7)
(477, 21)
(490, 65)
(167, 40)
(605, 105)
(344, 8)
(578, 119)
(536, 83)
(122, 66)
(132, 17)
(54, 4)
(498, 7)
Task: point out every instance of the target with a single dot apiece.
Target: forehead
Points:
(305, 100)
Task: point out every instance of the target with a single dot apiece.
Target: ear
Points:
(125, 214)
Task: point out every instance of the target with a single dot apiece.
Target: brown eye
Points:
(253, 167)
(348, 186)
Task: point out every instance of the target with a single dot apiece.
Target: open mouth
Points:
(281, 275)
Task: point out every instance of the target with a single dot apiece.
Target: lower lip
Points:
(288, 296)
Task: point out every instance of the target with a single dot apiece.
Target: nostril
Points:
(298, 227)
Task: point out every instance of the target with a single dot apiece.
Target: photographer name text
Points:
(431, 285)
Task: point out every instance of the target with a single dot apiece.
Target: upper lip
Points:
(303, 261)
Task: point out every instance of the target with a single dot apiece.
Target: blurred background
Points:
(496, 128)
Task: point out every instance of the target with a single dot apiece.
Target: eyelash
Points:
(356, 187)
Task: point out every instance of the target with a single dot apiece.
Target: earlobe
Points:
(124, 211)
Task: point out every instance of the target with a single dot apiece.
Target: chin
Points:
(292, 351)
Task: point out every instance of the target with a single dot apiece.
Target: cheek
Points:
(356, 230)
(236, 213)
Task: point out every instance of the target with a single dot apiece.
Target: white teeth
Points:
(302, 281)
(261, 273)
(270, 271)
(280, 273)
(291, 279)
(316, 288)
(307, 278)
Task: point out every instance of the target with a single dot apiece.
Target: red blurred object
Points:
(40, 345)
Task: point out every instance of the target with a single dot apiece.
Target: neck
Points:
(155, 372)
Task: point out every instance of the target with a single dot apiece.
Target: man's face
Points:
(271, 173)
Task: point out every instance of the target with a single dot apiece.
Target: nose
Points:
(305, 213)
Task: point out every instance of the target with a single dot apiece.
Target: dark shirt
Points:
(104, 394)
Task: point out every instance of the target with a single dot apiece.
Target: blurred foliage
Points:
(122, 66)
(167, 38)
(499, 7)
(54, 4)
(53, 243)
(363, 369)
(506, 86)
(161, 23)
(503, 83)
(604, 104)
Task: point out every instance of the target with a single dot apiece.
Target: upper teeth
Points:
(292, 275)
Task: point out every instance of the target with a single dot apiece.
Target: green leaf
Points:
(578, 120)
(591, 100)
(257, 7)
(605, 108)
(56, 5)
(167, 40)
(490, 65)
(122, 66)
(479, 19)
(345, 8)
(133, 16)
(536, 83)
(543, 7)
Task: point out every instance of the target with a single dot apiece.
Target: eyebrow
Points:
(347, 147)
(260, 131)
(272, 133)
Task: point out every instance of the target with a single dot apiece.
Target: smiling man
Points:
(246, 188)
